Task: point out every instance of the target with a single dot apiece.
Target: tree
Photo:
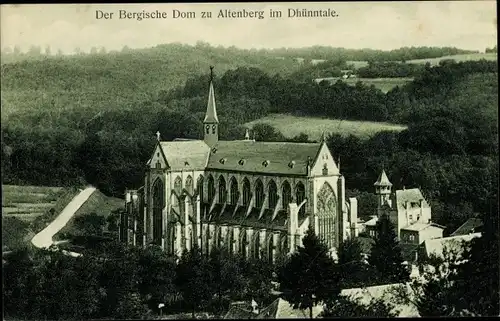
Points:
(477, 279)
(386, 254)
(310, 276)
(260, 277)
(157, 270)
(348, 307)
(193, 279)
(91, 224)
(353, 270)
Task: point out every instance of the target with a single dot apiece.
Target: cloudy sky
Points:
(378, 25)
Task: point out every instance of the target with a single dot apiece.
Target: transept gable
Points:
(158, 159)
(323, 163)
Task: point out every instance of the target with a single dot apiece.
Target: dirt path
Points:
(44, 238)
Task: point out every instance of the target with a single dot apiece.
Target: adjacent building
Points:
(408, 210)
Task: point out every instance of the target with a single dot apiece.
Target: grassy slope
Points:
(97, 203)
(384, 84)
(435, 61)
(291, 126)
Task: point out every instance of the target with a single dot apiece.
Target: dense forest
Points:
(92, 118)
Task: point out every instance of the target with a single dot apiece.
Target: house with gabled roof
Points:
(408, 210)
(251, 197)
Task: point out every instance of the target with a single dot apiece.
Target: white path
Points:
(44, 238)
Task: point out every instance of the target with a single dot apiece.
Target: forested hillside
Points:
(93, 117)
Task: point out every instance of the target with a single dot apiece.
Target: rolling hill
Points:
(291, 126)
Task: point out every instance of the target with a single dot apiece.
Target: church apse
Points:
(327, 215)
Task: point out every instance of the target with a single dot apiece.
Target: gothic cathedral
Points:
(250, 197)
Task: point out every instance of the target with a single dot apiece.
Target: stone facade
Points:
(253, 198)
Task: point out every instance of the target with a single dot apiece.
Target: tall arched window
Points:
(286, 194)
(189, 185)
(243, 243)
(234, 191)
(230, 240)
(256, 245)
(270, 247)
(211, 189)
(222, 190)
(178, 185)
(199, 186)
(259, 194)
(246, 192)
(158, 205)
(273, 194)
(300, 193)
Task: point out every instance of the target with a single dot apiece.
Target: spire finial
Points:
(211, 73)
(158, 135)
(323, 137)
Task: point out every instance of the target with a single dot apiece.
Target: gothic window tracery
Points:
(246, 192)
(158, 205)
(273, 194)
(286, 194)
(234, 191)
(178, 185)
(211, 189)
(189, 185)
(259, 194)
(222, 190)
(300, 196)
(327, 213)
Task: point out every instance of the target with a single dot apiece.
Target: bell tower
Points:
(383, 190)
(211, 122)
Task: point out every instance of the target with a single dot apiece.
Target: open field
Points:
(291, 126)
(457, 58)
(384, 84)
(29, 202)
(435, 61)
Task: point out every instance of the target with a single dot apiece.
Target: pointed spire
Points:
(383, 180)
(338, 163)
(211, 115)
(323, 137)
(247, 134)
(158, 135)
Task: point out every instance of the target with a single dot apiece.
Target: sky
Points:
(377, 25)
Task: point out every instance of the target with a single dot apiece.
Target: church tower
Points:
(211, 122)
(383, 190)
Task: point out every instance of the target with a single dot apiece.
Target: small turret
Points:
(383, 189)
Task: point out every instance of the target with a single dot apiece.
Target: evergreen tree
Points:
(354, 272)
(310, 276)
(386, 255)
(477, 278)
(193, 279)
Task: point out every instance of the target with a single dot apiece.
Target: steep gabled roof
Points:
(211, 114)
(470, 226)
(186, 154)
(280, 158)
(453, 244)
(412, 195)
(383, 180)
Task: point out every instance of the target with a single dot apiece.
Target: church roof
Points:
(282, 158)
(186, 154)
(383, 180)
(211, 115)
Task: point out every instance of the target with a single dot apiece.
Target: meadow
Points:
(291, 126)
(384, 84)
(435, 61)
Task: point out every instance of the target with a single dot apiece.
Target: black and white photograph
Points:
(249, 160)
